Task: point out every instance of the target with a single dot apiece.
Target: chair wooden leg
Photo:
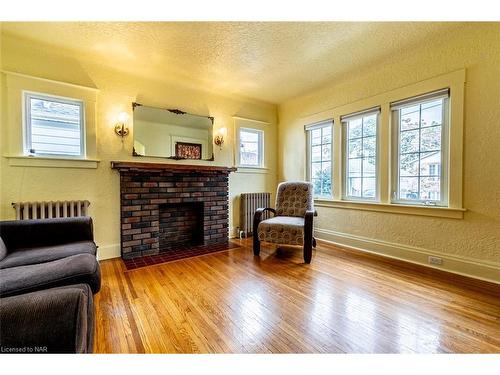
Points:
(256, 245)
(307, 252)
(308, 244)
(308, 236)
(314, 242)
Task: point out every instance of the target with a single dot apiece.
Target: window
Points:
(360, 154)
(251, 147)
(319, 140)
(421, 144)
(434, 169)
(53, 126)
(399, 151)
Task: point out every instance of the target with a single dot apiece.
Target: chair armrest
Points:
(257, 218)
(18, 234)
(262, 210)
(58, 320)
(308, 220)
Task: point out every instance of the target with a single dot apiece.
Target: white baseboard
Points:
(109, 251)
(478, 269)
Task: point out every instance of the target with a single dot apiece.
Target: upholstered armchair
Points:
(292, 223)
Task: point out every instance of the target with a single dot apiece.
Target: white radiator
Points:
(48, 210)
(249, 202)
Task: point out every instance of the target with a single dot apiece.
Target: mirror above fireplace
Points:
(172, 133)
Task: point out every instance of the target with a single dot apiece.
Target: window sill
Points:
(51, 162)
(446, 212)
(247, 169)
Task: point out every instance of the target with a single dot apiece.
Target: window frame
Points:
(27, 129)
(260, 147)
(345, 156)
(445, 153)
(308, 130)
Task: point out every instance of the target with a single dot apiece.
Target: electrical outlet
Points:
(435, 260)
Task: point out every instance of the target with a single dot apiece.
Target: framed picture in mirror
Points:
(185, 150)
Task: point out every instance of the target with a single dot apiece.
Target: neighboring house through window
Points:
(360, 154)
(251, 147)
(421, 128)
(54, 126)
(319, 151)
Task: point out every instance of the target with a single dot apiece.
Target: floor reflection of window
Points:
(360, 313)
(253, 314)
(417, 335)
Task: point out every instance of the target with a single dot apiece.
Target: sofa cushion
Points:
(287, 230)
(76, 269)
(35, 255)
(57, 320)
(3, 249)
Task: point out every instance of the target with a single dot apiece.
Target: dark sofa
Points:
(41, 254)
(58, 320)
(48, 275)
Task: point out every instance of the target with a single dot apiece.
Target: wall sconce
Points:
(121, 128)
(219, 138)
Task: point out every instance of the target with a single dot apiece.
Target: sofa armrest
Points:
(20, 234)
(58, 320)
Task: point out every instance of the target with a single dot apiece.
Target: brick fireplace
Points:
(167, 206)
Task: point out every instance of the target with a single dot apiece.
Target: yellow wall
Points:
(469, 245)
(116, 93)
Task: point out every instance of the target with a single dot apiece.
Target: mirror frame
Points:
(177, 112)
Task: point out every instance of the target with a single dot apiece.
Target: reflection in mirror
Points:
(171, 133)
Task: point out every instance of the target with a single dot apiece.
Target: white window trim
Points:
(308, 128)
(26, 118)
(344, 120)
(14, 84)
(455, 81)
(445, 128)
(403, 209)
(261, 150)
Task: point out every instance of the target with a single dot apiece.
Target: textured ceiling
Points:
(269, 61)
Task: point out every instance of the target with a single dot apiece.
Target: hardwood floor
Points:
(343, 302)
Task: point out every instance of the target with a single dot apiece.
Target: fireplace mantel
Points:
(132, 166)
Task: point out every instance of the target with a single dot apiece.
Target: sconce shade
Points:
(123, 117)
(222, 132)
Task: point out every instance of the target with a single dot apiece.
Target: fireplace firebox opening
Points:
(181, 225)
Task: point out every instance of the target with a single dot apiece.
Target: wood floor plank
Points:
(343, 302)
(132, 329)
